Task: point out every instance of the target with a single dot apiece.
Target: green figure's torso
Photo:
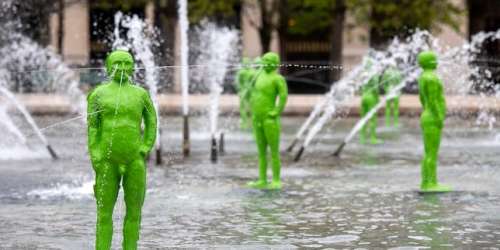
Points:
(390, 79)
(264, 93)
(432, 99)
(370, 91)
(121, 114)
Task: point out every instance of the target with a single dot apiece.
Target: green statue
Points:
(390, 79)
(118, 149)
(369, 99)
(269, 86)
(432, 120)
(243, 86)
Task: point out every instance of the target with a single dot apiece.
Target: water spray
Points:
(315, 113)
(392, 94)
(184, 26)
(30, 120)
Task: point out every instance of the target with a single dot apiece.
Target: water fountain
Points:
(54, 76)
(456, 66)
(184, 27)
(216, 49)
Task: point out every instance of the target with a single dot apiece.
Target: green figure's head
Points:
(427, 60)
(120, 65)
(270, 61)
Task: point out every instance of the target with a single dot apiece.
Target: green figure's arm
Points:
(422, 82)
(282, 97)
(150, 123)
(437, 104)
(94, 122)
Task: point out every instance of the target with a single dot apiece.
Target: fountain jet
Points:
(184, 26)
(30, 120)
(345, 89)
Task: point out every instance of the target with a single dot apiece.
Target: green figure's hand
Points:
(117, 147)
(432, 120)
(268, 99)
(273, 114)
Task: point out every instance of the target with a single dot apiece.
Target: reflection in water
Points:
(262, 214)
(429, 221)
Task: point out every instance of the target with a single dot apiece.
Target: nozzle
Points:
(159, 160)
(52, 152)
(221, 144)
(213, 150)
(185, 136)
(339, 149)
(299, 154)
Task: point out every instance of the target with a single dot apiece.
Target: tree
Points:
(220, 11)
(390, 18)
(166, 23)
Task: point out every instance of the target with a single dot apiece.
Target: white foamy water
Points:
(74, 191)
(184, 27)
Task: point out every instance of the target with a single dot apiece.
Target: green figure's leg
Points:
(363, 134)
(260, 138)
(432, 140)
(106, 188)
(396, 111)
(388, 113)
(134, 187)
(272, 133)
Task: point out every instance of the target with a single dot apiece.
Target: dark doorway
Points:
(484, 15)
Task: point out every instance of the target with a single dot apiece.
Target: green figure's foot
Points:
(275, 185)
(376, 141)
(436, 188)
(257, 184)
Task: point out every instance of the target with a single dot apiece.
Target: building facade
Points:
(85, 27)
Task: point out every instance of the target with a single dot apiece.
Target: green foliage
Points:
(213, 9)
(124, 5)
(309, 16)
(391, 17)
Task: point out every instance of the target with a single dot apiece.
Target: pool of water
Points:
(365, 199)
